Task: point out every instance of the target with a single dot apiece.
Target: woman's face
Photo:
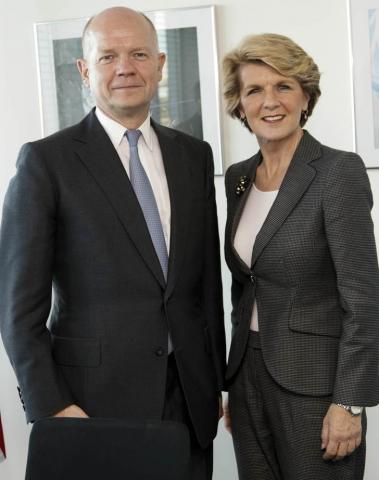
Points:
(271, 103)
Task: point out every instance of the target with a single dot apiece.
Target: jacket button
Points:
(253, 279)
(159, 352)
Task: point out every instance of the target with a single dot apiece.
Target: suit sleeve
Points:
(27, 243)
(212, 284)
(347, 202)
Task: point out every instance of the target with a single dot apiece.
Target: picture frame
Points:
(364, 20)
(188, 95)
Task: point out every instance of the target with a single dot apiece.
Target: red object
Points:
(2, 443)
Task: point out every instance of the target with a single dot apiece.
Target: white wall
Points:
(320, 27)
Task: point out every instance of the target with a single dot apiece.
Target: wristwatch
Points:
(353, 410)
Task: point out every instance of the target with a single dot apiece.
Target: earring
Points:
(304, 115)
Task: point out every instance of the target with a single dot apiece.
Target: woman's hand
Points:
(341, 433)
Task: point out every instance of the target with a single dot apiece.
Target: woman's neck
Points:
(277, 157)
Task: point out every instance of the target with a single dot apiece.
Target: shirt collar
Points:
(116, 131)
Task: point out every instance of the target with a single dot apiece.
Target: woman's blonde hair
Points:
(278, 52)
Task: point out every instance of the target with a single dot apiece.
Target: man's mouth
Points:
(125, 87)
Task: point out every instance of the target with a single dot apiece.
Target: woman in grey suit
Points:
(300, 244)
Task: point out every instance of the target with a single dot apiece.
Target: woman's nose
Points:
(270, 99)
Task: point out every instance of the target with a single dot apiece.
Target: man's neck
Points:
(131, 122)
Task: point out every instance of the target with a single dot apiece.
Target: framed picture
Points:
(188, 95)
(364, 15)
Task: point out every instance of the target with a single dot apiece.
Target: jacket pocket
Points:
(76, 352)
(316, 321)
(315, 310)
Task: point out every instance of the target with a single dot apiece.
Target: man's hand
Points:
(220, 409)
(227, 419)
(341, 433)
(72, 411)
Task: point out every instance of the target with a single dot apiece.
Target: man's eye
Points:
(140, 55)
(106, 59)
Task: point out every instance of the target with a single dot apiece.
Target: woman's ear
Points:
(306, 101)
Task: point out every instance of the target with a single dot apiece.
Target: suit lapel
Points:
(249, 171)
(176, 163)
(296, 181)
(101, 159)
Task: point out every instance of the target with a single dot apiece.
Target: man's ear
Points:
(83, 70)
(161, 62)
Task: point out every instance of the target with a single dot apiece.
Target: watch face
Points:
(356, 410)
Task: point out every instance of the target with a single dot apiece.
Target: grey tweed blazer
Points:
(314, 275)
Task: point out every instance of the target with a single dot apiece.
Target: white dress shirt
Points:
(255, 211)
(151, 158)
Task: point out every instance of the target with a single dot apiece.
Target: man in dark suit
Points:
(124, 226)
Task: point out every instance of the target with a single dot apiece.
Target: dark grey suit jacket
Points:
(314, 275)
(71, 219)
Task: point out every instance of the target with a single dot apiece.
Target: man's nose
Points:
(125, 65)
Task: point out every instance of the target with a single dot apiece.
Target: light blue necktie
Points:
(146, 198)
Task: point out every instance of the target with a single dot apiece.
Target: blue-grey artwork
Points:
(373, 18)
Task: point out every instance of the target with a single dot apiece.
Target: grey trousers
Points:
(175, 408)
(277, 433)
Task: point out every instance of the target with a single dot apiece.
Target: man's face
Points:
(122, 66)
